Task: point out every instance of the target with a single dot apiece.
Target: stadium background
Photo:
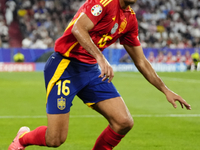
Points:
(165, 27)
(168, 31)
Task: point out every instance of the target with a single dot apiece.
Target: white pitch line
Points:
(168, 115)
(181, 80)
(98, 116)
(165, 78)
(20, 117)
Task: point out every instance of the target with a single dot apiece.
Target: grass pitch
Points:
(158, 126)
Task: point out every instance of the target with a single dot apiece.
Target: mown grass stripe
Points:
(97, 116)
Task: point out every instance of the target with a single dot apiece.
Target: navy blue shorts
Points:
(65, 78)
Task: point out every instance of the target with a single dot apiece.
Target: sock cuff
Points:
(114, 134)
(112, 137)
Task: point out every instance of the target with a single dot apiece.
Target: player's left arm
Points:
(143, 65)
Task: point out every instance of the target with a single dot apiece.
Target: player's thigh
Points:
(117, 114)
(57, 129)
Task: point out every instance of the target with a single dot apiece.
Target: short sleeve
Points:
(94, 10)
(131, 36)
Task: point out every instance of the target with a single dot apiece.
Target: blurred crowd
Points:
(4, 37)
(170, 58)
(164, 57)
(192, 60)
(42, 22)
(173, 23)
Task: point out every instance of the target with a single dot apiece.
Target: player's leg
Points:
(57, 110)
(57, 129)
(105, 99)
(120, 122)
(55, 133)
(52, 135)
(117, 114)
(198, 66)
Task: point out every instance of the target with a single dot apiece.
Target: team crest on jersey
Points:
(114, 29)
(61, 103)
(96, 10)
(122, 26)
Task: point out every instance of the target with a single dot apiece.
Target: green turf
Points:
(23, 95)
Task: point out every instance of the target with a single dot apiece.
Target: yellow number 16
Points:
(65, 89)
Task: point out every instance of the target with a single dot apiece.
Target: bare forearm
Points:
(149, 73)
(86, 42)
(81, 33)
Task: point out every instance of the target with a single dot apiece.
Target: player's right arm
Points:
(143, 65)
(81, 30)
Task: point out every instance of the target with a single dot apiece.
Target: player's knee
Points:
(55, 142)
(126, 124)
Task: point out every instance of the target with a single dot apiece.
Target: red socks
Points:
(107, 140)
(35, 137)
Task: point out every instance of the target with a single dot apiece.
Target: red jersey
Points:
(111, 22)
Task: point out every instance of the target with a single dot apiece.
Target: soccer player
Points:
(195, 58)
(73, 70)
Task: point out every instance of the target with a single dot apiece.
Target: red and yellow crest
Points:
(122, 26)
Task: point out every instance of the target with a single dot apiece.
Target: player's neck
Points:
(123, 4)
(126, 3)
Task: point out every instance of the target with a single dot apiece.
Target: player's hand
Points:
(173, 97)
(106, 69)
